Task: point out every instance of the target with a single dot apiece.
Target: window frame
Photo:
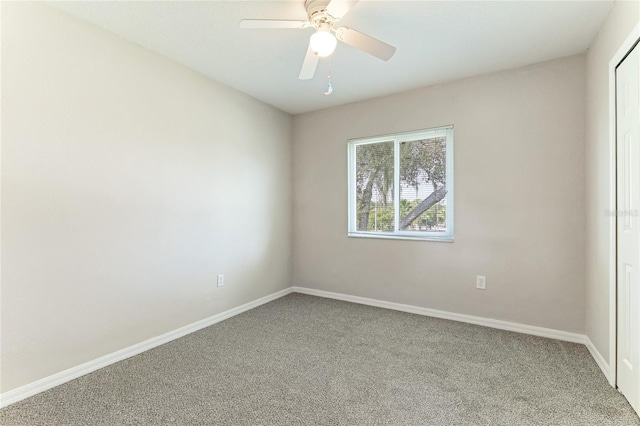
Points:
(397, 139)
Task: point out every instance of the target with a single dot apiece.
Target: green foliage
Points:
(428, 220)
(423, 161)
(374, 164)
(381, 216)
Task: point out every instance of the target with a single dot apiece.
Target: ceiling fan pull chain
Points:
(329, 85)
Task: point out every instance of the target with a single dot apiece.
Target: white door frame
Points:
(620, 54)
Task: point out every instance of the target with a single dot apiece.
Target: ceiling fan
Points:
(322, 16)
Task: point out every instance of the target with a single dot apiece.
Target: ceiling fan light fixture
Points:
(322, 42)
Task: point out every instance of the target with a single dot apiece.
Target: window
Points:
(401, 186)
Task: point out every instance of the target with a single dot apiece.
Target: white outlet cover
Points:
(481, 282)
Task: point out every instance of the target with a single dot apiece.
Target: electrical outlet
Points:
(481, 282)
(220, 280)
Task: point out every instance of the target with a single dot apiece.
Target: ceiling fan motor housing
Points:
(316, 11)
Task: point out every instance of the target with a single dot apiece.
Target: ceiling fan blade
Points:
(309, 65)
(272, 23)
(338, 8)
(366, 43)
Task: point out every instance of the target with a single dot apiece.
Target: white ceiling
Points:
(436, 42)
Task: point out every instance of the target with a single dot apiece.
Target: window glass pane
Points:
(374, 187)
(423, 205)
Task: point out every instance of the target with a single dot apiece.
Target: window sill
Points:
(400, 237)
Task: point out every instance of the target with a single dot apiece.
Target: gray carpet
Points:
(303, 360)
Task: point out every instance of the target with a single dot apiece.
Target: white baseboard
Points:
(597, 356)
(487, 322)
(18, 394)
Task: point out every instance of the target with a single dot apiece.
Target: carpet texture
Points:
(304, 360)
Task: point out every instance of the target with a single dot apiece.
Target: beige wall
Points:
(128, 183)
(519, 198)
(623, 17)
